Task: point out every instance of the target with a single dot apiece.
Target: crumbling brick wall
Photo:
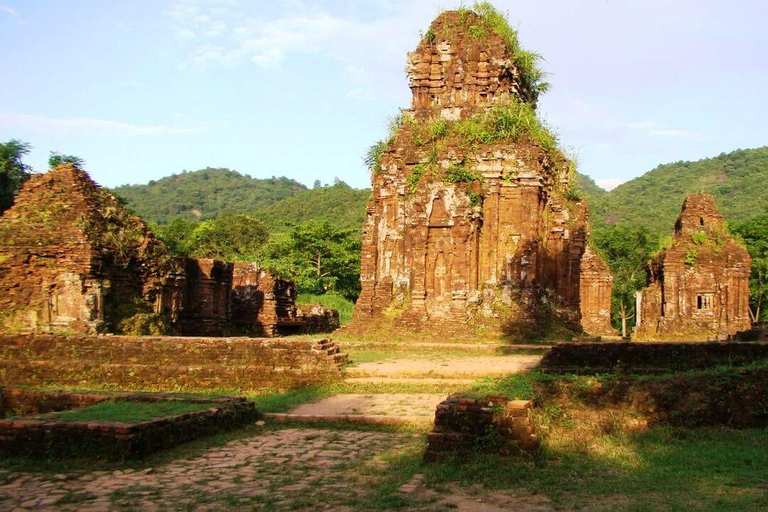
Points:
(699, 287)
(72, 259)
(498, 246)
(466, 425)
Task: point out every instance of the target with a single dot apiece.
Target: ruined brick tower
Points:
(72, 258)
(474, 224)
(699, 287)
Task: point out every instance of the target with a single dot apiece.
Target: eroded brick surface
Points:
(699, 287)
(499, 248)
(73, 259)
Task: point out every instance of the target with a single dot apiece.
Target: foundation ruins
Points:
(475, 225)
(698, 287)
(72, 259)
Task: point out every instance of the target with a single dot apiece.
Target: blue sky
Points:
(146, 88)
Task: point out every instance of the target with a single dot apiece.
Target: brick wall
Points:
(465, 425)
(166, 362)
(45, 437)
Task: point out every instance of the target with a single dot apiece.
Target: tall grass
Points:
(330, 300)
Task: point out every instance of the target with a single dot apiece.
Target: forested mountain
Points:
(738, 180)
(205, 194)
(340, 204)
(278, 202)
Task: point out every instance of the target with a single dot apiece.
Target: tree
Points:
(318, 256)
(755, 235)
(231, 237)
(13, 172)
(57, 159)
(627, 250)
(176, 235)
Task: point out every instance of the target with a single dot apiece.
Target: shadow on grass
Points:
(662, 469)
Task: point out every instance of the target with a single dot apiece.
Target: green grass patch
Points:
(282, 401)
(129, 412)
(344, 306)
(515, 386)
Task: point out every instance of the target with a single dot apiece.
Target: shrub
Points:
(460, 174)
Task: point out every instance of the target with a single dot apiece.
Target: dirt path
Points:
(445, 367)
(395, 404)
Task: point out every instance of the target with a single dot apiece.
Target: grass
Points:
(526, 62)
(344, 306)
(129, 412)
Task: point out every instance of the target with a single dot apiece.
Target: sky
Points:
(142, 89)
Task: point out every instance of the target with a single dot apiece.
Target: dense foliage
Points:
(56, 159)
(13, 172)
(210, 193)
(339, 204)
(205, 194)
(755, 235)
(627, 250)
(318, 256)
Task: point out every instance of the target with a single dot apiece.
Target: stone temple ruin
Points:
(698, 287)
(469, 232)
(72, 259)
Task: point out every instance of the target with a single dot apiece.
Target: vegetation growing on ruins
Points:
(491, 20)
(56, 159)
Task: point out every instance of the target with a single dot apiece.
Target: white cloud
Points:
(87, 126)
(371, 52)
(8, 10)
(610, 183)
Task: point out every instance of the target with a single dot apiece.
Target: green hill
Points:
(278, 202)
(340, 204)
(738, 180)
(205, 194)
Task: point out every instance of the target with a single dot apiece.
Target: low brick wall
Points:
(464, 425)
(174, 363)
(593, 358)
(30, 437)
(25, 402)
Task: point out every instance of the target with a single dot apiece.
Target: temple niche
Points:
(475, 225)
(73, 259)
(699, 287)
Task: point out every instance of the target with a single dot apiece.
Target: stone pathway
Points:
(285, 469)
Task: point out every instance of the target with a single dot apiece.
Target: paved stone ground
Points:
(294, 469)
